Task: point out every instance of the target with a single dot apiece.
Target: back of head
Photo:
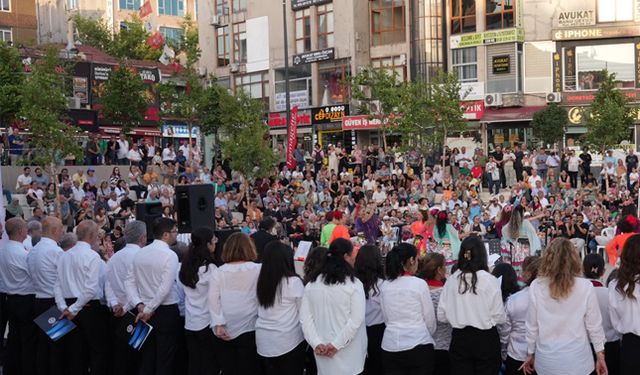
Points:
(593, 266)
(51, 227)
(627, 224)
(87, 231)
(196, 255)
(509, 282)
(277, 263)
(239, 248)
(560, 265)
(161, 226)
(267, 224)
(398, 257)
(68, 240)
(441, 223)
(15, 227)
(530, 268)
(135, 232)
(429, 265)
(335, 268)
(368, 268)
(515, 221)
(629, 271)
(471, 259)
(313, 262)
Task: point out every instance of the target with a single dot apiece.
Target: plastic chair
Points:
(609, 232)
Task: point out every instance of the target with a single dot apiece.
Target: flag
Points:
(156, 40)
(146, 9)
(292, 138)
(168, 54)
(4, 238)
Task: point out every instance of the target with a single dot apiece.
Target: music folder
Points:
(51, 324)
(134, 333)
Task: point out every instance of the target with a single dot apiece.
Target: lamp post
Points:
(286, 67)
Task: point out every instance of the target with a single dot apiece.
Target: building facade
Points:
(18, 22)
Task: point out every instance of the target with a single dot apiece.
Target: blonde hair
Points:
(560, 265)
(239, 248)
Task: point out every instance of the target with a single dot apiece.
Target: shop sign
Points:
(301, 4)
(637, 67)
(501, 64)
(473, 110)
(148, 75)
(576, 116)
(279, 119)
(179, 131)
(595, 32)
(81, 89)
(362, 122)
(472, 90)
(297, 98)
(145, 132)
(570, 68)
(329, 114)
(586, 97)
(557, 72)
(577, 18)
(314, 56)
(512, 35)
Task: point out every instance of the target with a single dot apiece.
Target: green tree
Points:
(249, 151)
(94, 33)
(609, 118)
(124, 101)
(549, 124)
(190, 43)
(11, 78)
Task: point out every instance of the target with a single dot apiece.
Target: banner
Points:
(292, 138)
(156, 40)
(146, 9)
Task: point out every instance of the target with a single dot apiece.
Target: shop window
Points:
(325, 26)
(299, 87)
(392, 64)
(171, 7)
(387, 22)
(5, 5)
(463, 16)
(223, 45)
(239, 6)
(240, 42)
(615, 10)
(5, 35)
(303, 31)
(591, 60)
(500, 14)
(254, 84)
(73, 4)
(222, 7)
(465, 63)
(172, 35)
(333, 89)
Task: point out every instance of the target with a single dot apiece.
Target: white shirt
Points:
(232, 297)
(278, 329)
(79, 272)
(573, 164)
(610, 333)
(379, 196)
(335, 314)
(559, 331)
(625, 312)
(408, 314)
(196, 300)
(14, 273)
(532, 180)
(78, 194)
(134, 155)
(152, 279)
(185, 151)
(517, 306)
(168, 155)
(368, 184)
(118, 269)
(124, 149)
(42, 262)
(23, 180)
(373, 313)
(27, 243)
(481, 310)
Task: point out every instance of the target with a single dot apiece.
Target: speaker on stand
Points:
(148, 212)
(195, 207)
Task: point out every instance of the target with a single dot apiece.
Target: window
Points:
(128, 4)
(325, 26)
(387, 22)
(465, 62)
(392, 64)
(239, 6)
(5, 35)
(591, 60)
(332, 75)
(463, 16)
(71, 4)
(223, 45)
(428, 53)
(171, 7)
(222, 7)
(124, 25)
(240, 42)
(5, 5)
(500, 14)
(255, 84)
(615, 10)
(303, 31)
(299, 87)
(172, 35)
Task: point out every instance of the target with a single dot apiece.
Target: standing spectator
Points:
(509, 170)
(123, 149)
(498, 157)
(92, 151)
(632, 162)
(16, 145)
(517, 164)
(134, 155)
(112, 151)
(298, 155)
(540, 162)
(318, 157)
(585, 157)
(573, 166)
(493, 173)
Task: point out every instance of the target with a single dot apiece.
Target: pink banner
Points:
(292, 138)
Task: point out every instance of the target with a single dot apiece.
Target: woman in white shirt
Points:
(370, 272)
(624, 305)
(279, 337)
(471, 302)
(333, 313)
(563, 317)
(195, 273)
(233, 305)
(407, 344)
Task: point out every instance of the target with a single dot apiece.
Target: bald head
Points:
(16, 229)
(87, 231)
(52, 228)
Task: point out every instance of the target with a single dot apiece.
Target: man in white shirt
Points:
(379, 196)
(16, 282)
(118, 268)
(42, 263)
(123, 149)
(134, 155)
(78, 291)
(534, 178)
(151, 289)
(24, 181)
(573, 165)
(168, 154)
(185, 150)
(34, 233)
(369, 184)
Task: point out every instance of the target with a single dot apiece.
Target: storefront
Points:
(178, 134)
(508, 126)
(277, 122)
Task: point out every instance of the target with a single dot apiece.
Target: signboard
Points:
(314, 56)
(179, 131)
(297, 98)
(577, 18)
(595, 32)
(557, 72)
(360, 123)
(84, 119)
(81, 89)
(329, 114)
(586, 97)
(472, 90)
(301, 4)
(515, 34)
(501, 64)
(576, 115)
(279, 119)
(473, 110)
(570, 68)
(637, 58)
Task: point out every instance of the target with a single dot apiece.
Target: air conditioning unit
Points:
(73, 102)
(493, 100)
(234, 68)
(215, 20)
(375, 107)
(554, 97)
(366, 91)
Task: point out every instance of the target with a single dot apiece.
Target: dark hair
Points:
(441, 223)
(471, 259)
(398, 257)
(509, 284)
(613, 275)
(267, 223)
(161, 226)
(369, 269)
(335, 268)
(593, 266)
(531, 264)
(429, 265)
(277, 264)
(629, 271)
(624, 225)
(313, 262)
(198, 255)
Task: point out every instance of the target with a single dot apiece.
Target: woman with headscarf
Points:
(519, 239)
(447, 239)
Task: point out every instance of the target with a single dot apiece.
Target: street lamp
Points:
(286, 67)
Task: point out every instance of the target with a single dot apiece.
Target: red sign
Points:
(146, 9)
(473, 110)
(279, 119)
(360, 123)
(293, 137)
(586, 97)
(156, 40)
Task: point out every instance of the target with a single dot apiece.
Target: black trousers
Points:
(416, 361)
(21, 342)
(202, 353)
(612, 357)
(373, 363)
(159, 351)
(239, 356)
(475, 352)
(512, 366)
(48, 352)
(443, 364)
(126, 360)
(573, 179)
(291, 363)
(3, 322)
(87, 346)
(629, 354)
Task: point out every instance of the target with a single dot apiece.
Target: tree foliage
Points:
(11, 78)
(549, 123)
(190, 43)
(124, 101)
(609, 118)
(252, 154)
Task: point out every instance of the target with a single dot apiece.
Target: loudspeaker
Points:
(194, 206)
(222, 236)
(148, 212)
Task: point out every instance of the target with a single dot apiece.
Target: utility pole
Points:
(286, 67)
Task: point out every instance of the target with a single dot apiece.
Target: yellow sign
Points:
(512, 35)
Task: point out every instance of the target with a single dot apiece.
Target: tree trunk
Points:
(190, 156)
(444, 153)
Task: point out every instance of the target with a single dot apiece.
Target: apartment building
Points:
(18, 22)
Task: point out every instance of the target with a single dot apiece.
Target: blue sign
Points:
(179, 131)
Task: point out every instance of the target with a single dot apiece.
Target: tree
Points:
(124, 101)
(609, 118)
(11, 78)
(252, 155)
(549, 124)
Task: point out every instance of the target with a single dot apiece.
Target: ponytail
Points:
(398, 257)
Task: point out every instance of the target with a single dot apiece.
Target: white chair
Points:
(608, 233)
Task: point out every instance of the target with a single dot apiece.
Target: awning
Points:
(510, 114)
(145, 132)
